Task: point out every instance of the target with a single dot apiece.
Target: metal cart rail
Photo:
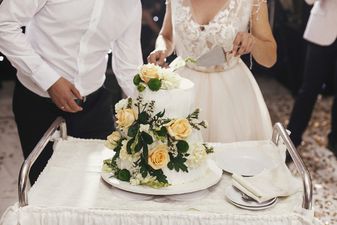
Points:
(279, 134)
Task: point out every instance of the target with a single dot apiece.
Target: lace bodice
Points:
(192, 39)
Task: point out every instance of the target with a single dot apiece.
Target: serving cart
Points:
(71, 191)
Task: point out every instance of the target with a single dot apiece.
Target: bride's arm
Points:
(164, 42)
(264, 48)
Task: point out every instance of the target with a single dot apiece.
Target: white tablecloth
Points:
(70, 191)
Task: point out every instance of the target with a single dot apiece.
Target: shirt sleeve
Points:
(127, 54)
(15, 14)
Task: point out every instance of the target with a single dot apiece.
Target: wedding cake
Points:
(158, 141)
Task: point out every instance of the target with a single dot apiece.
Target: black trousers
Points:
(34, 114)
(319, 65)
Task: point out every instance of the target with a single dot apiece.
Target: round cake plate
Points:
(211, 177)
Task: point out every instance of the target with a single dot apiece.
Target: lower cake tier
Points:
(177, 178)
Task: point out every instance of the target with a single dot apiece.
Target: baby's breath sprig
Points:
(194, 115)
(151, 107)
(193, 120)
(209, 149)
(129, 106)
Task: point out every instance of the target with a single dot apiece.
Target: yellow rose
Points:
(179, 129)
(125, 117)
(112, 139)
(158, 157)
(149, 71)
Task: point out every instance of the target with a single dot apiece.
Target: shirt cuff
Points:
(45, 76)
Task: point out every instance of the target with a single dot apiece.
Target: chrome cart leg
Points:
(280, 132)
(27, 164)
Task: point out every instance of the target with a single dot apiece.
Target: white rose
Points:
(197, 155)
(144, 127)
(134, 181)
(177, 63)
(122, 104)
(170, 80)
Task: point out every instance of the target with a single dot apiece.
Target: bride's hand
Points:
(157, 57)
(243, 43)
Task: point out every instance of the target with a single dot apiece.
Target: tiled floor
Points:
(321, 163)
(10, 149)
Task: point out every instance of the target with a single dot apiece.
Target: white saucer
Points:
(235, 197)
(254, 208)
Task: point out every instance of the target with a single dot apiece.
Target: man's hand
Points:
(63, 93)
(157, 57)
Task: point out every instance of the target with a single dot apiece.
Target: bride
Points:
(227, 94)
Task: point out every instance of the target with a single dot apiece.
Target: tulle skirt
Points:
(232, 104)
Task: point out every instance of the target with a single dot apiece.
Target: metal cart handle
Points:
(279, 131)
(27, 164)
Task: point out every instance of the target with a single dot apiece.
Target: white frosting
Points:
(178, 103)
(175, 178)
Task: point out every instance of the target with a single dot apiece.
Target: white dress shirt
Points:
(322, 24)
(71, 38)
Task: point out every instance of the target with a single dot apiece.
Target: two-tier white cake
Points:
(158, 142)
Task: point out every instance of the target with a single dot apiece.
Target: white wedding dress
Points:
(228, 95)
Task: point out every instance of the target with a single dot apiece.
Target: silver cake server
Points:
(216, 56)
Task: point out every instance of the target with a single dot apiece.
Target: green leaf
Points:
(143, 166)
(144, 173)
(133, 130)
(143, 117)
(183, 167)
(141, 87)
(147, 139)
(117, 151)
(146, 153)
(137, 80)
(138, 146)
(170, 165)
(177, 163)
(160, 114)
(160, 176)
(124, 175)
(128, 145)
(154, 84)
(182, 146)
(162, 132)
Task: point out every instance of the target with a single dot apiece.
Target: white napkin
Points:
(268, 184)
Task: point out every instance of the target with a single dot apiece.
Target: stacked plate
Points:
(239, 199)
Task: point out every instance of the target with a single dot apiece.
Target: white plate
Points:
(212, 177)
(235, 197)
(245, 161)
(254, 208)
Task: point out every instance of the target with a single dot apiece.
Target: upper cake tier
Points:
(177, 102)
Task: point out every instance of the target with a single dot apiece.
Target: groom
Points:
(321, 58)
(61, 62)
